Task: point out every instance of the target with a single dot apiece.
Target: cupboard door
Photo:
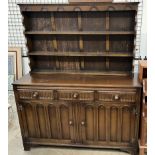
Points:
(129, 126)
(87, 123)
(117, 124)
(65, 121)
(27, 119)
(48, 120)
(108, 123)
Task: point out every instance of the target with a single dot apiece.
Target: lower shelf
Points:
(122, 73)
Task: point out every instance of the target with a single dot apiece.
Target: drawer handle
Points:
(83, 123)
(70, 123)
(116, 97)
(35, 94)
(75, 95)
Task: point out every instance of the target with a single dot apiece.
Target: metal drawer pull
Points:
(83, 123)
(35, 94)
(75, 95)
(116, 97)
(70, 122)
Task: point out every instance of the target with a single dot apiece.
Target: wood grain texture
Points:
(84, 7)
(80, 91)
(83, 31)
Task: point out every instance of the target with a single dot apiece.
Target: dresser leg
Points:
(26, 147)
(141, 151)
(134, 152)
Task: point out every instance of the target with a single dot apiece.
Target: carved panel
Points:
(36, 94)
(101, 123)
(88, 7)
(89, 118)
(29, 119)
(64, 120)
(75, 95)
(113, 123)
(117, 96)
(42, 121)
(53, 121)
(126, 123)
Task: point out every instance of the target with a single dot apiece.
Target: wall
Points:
(143, 45)
(17, 39)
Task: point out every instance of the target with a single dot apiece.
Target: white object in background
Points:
(26, 67)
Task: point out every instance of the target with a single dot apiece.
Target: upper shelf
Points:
(81, 54)
(80, 32)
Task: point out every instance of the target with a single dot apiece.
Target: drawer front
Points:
(112, 96)
(79, 95)
(75, 95)
(36, 94)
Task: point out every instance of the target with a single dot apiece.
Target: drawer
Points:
(75, 95)
(120, 96)
(35, 94)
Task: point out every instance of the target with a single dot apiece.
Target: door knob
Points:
(83, 123)
(116, 97)
(75, 95)
(35, 94)
(70, 122)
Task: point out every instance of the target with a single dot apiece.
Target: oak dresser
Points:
(81, 90)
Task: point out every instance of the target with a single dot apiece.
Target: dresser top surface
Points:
(68, 80)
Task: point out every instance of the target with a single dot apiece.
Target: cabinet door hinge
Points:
(20, 107)
(135, 111)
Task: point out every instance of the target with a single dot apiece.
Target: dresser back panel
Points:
(78, 39)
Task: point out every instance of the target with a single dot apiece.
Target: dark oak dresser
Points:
(81, 90)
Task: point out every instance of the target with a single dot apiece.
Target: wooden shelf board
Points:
(81, 54)
(122, 73)
(79, 32)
